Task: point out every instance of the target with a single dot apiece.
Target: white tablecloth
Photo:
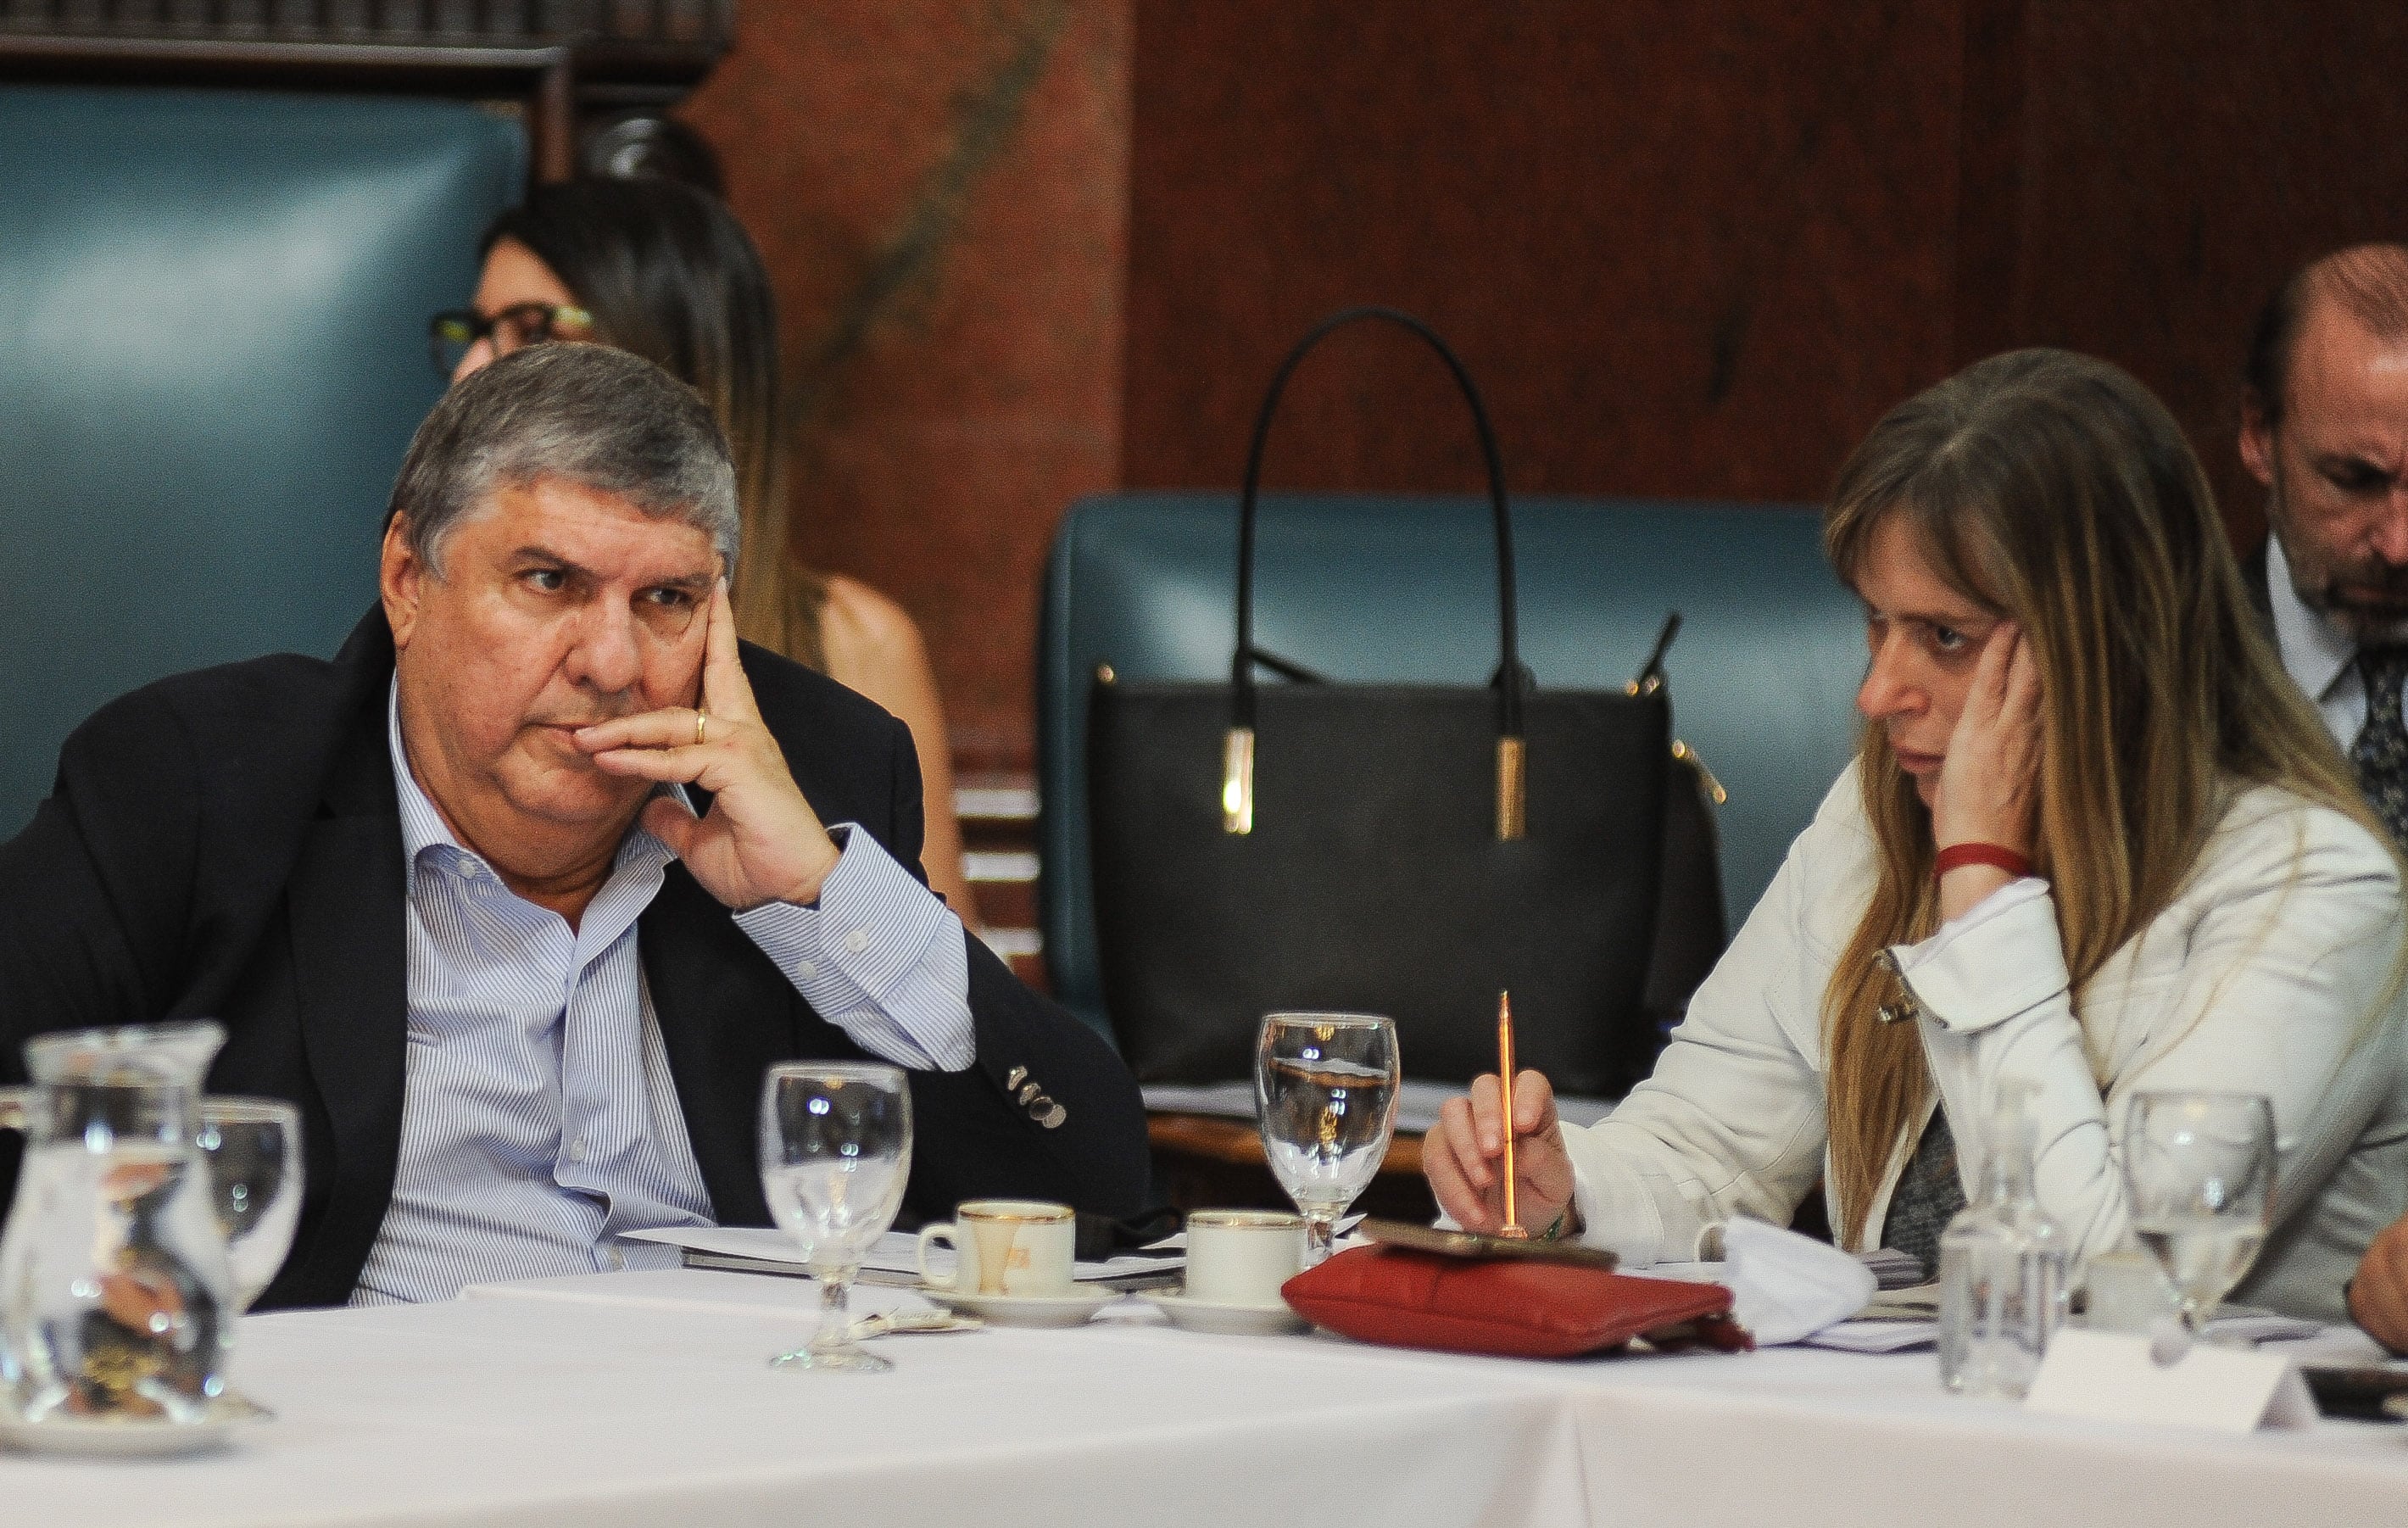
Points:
(643, 1398)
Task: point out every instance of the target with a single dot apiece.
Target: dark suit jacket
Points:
(2253, 576)
(227, 844)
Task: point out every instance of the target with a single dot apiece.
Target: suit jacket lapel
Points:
(346, 906)
(351, 977)
(726, 1015)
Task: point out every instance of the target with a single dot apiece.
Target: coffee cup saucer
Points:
(1222, 1318)
(1075, 1309)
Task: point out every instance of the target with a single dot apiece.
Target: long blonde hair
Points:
(668, 272)
(2054, 490)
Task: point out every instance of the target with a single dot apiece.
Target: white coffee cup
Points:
(1019, 1247)
(1242, 1257)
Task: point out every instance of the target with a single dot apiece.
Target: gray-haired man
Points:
(519, 896)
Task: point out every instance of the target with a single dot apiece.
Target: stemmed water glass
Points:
(836, 1152)
(1326, 1092)
(2198, 1169)
(252, 1146)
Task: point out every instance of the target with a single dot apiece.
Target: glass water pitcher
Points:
(113, 1284)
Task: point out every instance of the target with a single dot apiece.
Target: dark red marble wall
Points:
(1033, 248)
(941, 189)
(2179, 157)
(1688, 248)
(1697, 248)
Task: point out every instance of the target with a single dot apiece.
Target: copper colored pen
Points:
(1511, 1229)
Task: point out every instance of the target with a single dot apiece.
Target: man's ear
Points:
(2256, 441)
(401, 581)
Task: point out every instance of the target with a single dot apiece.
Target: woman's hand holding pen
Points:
(1462, 1157)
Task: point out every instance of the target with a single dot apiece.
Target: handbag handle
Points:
(1238, 750)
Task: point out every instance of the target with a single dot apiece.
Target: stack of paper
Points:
(1876, 1337)
(894, 1258)
(1893, 1269)
(1894, 1321)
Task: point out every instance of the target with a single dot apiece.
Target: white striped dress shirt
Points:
(540, 1121)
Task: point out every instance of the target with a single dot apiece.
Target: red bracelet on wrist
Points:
(1958, 856)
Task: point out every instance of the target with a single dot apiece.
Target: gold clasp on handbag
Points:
(1512, 802)
(1651, 680)
(1713, 787)
(1238, 781)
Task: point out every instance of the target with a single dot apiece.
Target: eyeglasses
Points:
(450, 334)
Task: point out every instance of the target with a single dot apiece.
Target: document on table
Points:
(894, 1260)
(1897, 1322)
(1893, 1269)
(1876, 1337)
(1417, 1103)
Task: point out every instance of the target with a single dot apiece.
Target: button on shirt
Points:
(541, 1123)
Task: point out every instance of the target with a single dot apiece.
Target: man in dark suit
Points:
(2325, 428)
(519, 895)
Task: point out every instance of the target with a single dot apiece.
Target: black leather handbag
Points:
(1405, 850)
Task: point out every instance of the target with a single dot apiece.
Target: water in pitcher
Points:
(115, 1309)
(113, 1280)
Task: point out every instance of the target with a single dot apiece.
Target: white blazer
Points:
(2264, 976)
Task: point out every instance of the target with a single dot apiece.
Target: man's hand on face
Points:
(760, 841)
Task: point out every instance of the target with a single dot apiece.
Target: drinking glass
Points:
(836, 1152)
(1326, 1092)
(2198, 1169)
(253, 1149)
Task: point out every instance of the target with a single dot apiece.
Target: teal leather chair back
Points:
(212, 354)
(1364, 587)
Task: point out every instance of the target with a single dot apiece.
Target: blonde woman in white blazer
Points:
(2093, 839)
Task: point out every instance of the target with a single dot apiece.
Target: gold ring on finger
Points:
(701, 727)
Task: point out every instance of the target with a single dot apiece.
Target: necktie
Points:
(2380, 753)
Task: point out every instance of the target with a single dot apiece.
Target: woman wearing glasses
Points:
(2093, 839)
(665, 271)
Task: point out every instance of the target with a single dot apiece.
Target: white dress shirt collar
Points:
(2316, 654)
